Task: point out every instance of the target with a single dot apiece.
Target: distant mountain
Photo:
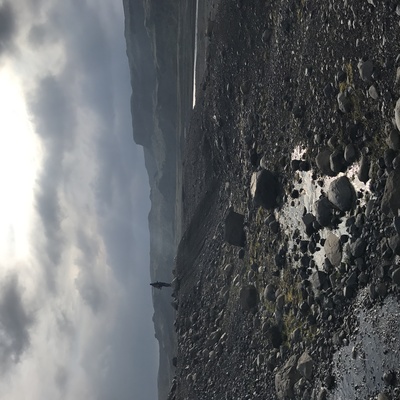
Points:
(155, 41)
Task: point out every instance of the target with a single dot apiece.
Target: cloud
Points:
(7, 26)
(15, 323)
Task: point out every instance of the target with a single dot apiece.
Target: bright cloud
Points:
(75, 315)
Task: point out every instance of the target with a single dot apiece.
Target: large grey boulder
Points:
(341, 194)
(305, 366)
(391, 196)
(285, 379)
(234, 232)
(333, 249)
(264, 189)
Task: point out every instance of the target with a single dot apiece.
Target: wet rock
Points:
(248, 297)
(365, 68)
(397, 114)
(391, 197)
(388, 157)
(341, 193)
(285, 379)
(350, 154)
(234, 233)
(323, 211)
(323, 162)
(333, 249)
(344, 103)
(305, 366)
(264, 189)
(363, 173)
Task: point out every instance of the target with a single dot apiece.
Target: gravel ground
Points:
(295, 116)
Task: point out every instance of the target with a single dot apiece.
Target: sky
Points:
(75, 303)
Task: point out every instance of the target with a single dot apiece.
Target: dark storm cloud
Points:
(7, 25)
(15, 322)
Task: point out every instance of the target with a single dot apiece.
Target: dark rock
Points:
(350, 154)
(358, 248)
(323, 211)
(365, 68)
(275, 336)
(391, 197)
(280, 302)
(337, 161)
(394, 243)
(333, 249)
(363, 173)
(308, 220)
(234, 232)
(329, 90)
(324, 163)
(344, 103)
(264, 189)
(248, 297)
(269, 292)
(319, 280)
(389, 377)
(388, 157)
(396, 224)
(341, 194)
(393, 140)
(396, 276)
(274, 226)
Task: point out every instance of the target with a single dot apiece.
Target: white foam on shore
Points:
(290, 217)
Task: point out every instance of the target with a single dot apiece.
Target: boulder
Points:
(323, 211)
(248, 297)
(234, 232)
(319, 280)
(269, 292)
(397, 114)
(285, 379)
(350, 153)
(363, 172)
(305, 366)
(333, 249)
(391, 196)
(341, 194)
(365, 68)
(344, 103)
(264, 189)
(323, 162)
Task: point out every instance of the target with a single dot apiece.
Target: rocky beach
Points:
(275, 200)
